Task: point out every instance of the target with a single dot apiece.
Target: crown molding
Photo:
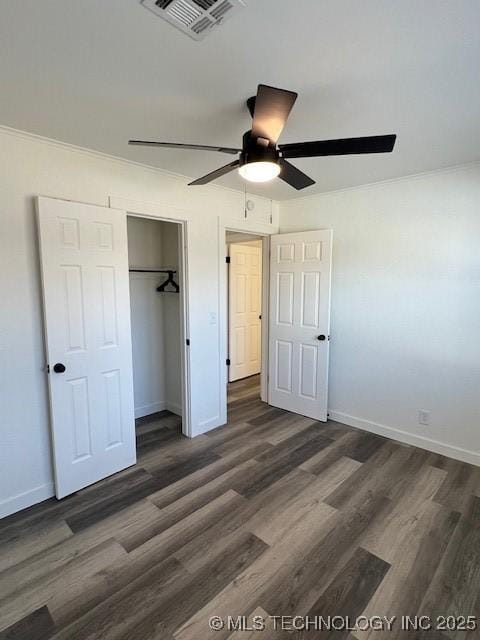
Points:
(382, 183)
(33, 137)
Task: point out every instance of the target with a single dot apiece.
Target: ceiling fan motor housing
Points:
(257, 150)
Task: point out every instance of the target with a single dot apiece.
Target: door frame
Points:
(229, 299)
(184, 331)
(223, 320)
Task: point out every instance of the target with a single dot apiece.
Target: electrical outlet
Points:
(424, 417)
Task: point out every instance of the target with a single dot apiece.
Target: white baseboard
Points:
(148, 409)
(26, 499)
(174, 408)
(155, 407)
(206, 426)
(471, 457)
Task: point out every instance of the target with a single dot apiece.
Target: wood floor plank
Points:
(157, 607)
(455, 587)
(189, 483)
(23, 598)
(38, 625)
(460, 483)
(387, 538)
(349, 593)
(268, 632)
(97, 588)
(276, 466)
(32, 540)
(248, 515)
(169, 474)
(409, 592)
(176, 511)
(322, 561)
(153, 552)
(52, 510)
(185, 601)
(382, 471)
(268, 416)
(273, 512)
(285, 428)
(339, 448)
(273, 567)
(292, 513)
(110, 505)
(114, 614)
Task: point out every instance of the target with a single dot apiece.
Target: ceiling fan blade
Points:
(272, 108)
(293, 176)
(340, 147)
(218, 173)
(174, 145)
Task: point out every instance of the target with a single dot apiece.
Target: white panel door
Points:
(300, 267)
(84, 260)
(245, 308)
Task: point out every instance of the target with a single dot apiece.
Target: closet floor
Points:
(273, 514)
(156, 428)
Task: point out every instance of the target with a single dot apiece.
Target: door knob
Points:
(321, 337)
(59, 368)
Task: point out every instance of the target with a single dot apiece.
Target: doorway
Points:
(155, 259)
(245, 319)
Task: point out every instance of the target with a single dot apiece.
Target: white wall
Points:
(405, 306)
(32, 166)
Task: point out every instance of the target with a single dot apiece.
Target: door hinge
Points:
(227, 259)
(228, 362)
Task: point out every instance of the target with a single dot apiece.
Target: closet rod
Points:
(152, 271)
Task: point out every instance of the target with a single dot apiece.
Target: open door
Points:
(84, 261)
(245, 311)
(300, 268)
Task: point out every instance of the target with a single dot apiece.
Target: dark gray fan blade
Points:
(174, 145)
(272, 108)
(340, 147)
(293, 176)
(218, 173)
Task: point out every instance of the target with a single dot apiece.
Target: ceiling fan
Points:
(261, 159)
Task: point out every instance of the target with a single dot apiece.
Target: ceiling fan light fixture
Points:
(263, 171)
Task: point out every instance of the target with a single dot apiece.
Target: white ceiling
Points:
(98, 72)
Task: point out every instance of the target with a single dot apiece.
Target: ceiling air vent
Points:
(196, 18)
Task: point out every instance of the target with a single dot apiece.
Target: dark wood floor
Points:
(273, 514)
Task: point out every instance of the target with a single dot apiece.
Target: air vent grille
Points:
(196, 18)
(205, 4)
(219, 11)
(184, 12)
(204, 23)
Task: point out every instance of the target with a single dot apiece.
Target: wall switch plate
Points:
(424, 417)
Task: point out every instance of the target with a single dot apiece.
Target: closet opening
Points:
(157, 310)
(246, 317)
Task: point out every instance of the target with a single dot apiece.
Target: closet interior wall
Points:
(155, 317)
